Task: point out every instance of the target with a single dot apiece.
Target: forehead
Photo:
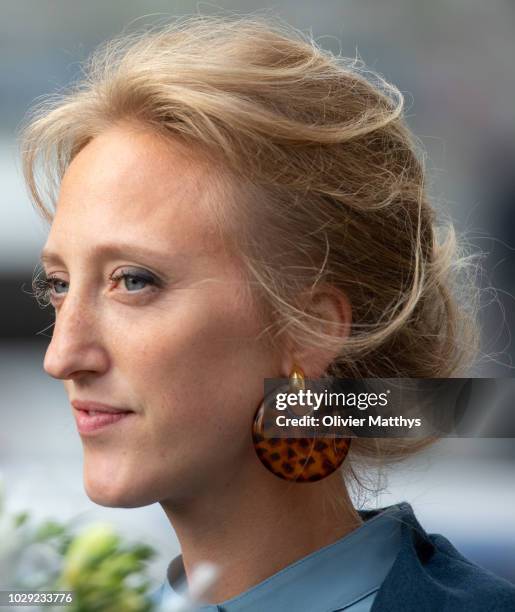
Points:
(130, 183)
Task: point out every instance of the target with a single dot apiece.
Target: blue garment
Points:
(389, 563)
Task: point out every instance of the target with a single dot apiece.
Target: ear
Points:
(328, 311)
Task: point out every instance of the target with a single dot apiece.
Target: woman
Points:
(234, 204)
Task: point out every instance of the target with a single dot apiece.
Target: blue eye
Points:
(56, 283)
(46, 289)
(43, 289)
(133, 280)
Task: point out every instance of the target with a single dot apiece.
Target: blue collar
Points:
(334, 577)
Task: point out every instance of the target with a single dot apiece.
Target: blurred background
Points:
(455, 62)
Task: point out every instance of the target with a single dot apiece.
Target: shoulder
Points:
(474, 587)
(430, 574)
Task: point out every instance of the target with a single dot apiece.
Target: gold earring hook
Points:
(297, 379)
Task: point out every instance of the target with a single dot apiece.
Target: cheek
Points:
(204, 368)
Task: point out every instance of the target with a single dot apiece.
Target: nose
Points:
(75, 349)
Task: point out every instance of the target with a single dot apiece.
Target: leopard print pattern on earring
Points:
(297, 459)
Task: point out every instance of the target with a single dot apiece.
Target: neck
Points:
(258, 526)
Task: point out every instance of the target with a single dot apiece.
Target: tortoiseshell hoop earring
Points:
(296, 459)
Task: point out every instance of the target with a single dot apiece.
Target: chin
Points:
(113, 493)
(115, 498)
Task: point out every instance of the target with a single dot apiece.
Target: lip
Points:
(107, 415)
(97, 407)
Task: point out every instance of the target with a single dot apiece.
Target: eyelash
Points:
(43, 287)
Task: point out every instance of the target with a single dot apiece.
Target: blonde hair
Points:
(327, 185)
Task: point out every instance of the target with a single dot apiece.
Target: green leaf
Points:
(143, 551)
(88, 549)
(49, 529)
(21, 518)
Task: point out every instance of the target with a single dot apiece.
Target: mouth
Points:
(91, 417)
(97, 407)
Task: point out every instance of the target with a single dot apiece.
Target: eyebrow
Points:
(113, 250)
